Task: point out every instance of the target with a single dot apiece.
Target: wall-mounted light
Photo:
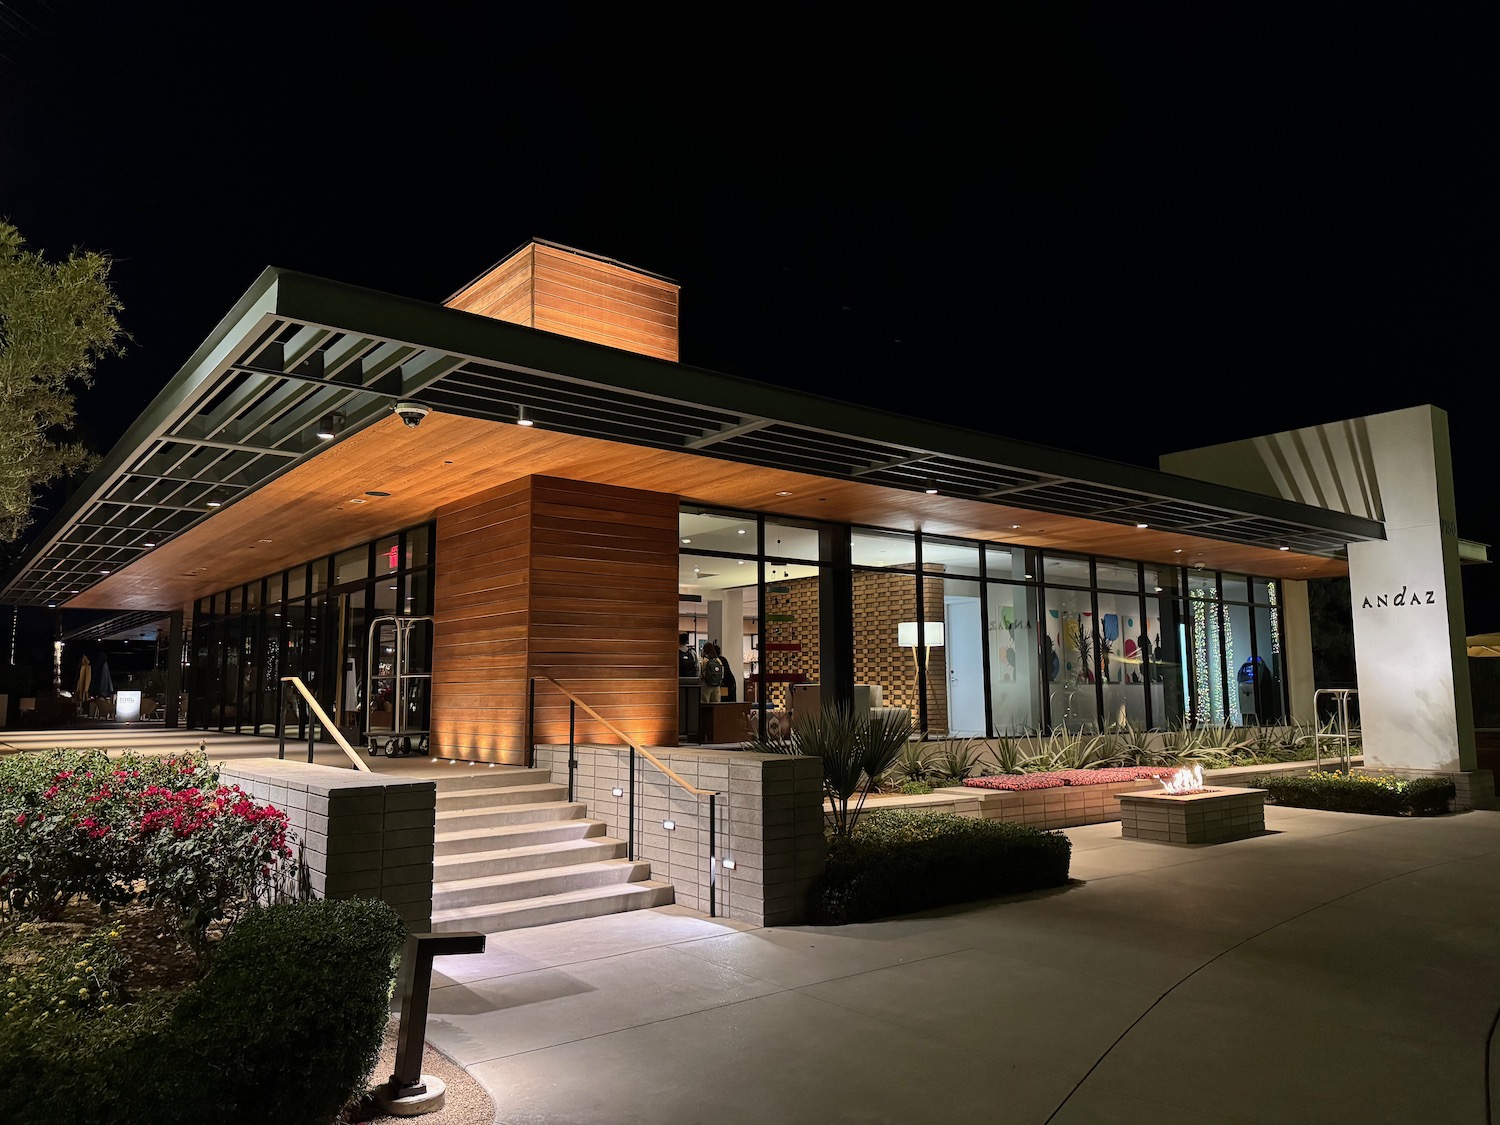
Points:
(617, 792)
(330, 425)
(669, 825)
(522, 419)
(728, 865)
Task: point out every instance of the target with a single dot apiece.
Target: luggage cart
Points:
(389, 679)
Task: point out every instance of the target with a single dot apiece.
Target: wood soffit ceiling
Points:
(321, 506)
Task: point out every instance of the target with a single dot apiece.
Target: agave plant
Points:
(913, 764)
(956, 759)
(1009, 753)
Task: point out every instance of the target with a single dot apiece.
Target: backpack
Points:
(713, 672)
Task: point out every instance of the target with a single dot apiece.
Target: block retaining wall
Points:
(358, 835)
(768, 823)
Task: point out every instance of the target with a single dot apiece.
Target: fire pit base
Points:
(1208, 817)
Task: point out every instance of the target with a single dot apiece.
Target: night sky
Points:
(1122, 230)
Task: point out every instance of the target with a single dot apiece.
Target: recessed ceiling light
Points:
(687, 540)
(1015, 527)
(741, 531)
(783, 494)
(265, 540)
(1178, 551)
(740, 561)
(358, 500)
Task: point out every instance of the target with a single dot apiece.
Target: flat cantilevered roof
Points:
(244, 409)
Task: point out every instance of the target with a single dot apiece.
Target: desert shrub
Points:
(914, 788)
(1380, 794)
(896, 862)
(911, 765)
(282, 1030)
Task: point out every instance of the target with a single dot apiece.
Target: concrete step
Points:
(589, 903)
(516, 886)
(462, 820)
(463, 776)
(533, 857)
(524, 835)
(497, 796)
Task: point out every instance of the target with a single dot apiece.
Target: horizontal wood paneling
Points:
(575, 295)
(570, 579)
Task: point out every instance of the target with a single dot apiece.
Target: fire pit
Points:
(1184, 811)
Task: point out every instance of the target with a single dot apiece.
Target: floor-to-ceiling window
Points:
(970, 638)
(311, 621)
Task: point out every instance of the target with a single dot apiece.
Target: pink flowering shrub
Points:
(209, 854)
(76, 823)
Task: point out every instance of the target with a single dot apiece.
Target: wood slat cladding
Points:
(578, 295)
(547, 576)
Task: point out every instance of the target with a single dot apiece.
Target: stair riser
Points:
(544, 914)
(576, 829)
(542, 861)
(497, 798)
(543, 884)
(500, 818)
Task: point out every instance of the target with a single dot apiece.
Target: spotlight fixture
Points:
(521, 419)
(1143, 526)
(1283, 547)
(215, 500)
(930, 490)
(330, 425)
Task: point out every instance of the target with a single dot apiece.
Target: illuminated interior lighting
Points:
(521, 419)
(330, 426)
(783, 494)
(686, 541)
(1283, 547)
(1143, 526)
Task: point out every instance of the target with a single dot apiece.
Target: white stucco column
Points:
(1414, 703)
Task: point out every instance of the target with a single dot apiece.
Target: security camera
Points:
(412, 413)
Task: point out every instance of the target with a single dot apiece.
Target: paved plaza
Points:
(1340, 968)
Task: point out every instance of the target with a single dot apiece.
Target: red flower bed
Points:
(1016, 781)
(1113, 775)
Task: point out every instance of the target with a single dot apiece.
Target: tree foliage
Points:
(56, 320)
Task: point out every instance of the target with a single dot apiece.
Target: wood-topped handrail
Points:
(632, 743)
(322, 715)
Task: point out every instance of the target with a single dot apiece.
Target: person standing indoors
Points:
(687, 662)
(711, 676)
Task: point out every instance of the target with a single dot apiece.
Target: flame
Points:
(1184, 781)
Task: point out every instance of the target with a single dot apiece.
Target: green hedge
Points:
(1380, 794)
(897, 862)
(283, 1029)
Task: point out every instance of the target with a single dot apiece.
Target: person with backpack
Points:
(711, 675)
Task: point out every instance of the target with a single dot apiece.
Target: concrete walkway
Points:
(1340, 968)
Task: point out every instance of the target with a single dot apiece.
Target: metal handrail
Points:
(635, 748)
(1341, 698)
(322, 717)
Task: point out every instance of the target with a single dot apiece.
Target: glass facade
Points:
(977, 639)
(311, 621)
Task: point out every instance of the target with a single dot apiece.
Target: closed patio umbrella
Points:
(85, 678)
(104, 684)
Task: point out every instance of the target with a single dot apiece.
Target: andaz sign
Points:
(1389, 601)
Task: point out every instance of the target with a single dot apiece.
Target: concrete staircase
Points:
(512, 852)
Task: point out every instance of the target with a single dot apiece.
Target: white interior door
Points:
(965, 660)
